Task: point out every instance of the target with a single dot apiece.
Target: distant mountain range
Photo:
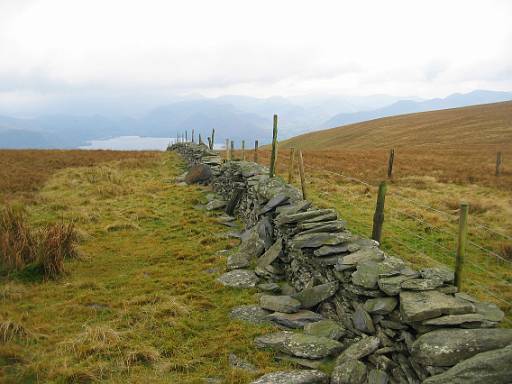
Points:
(234, 117)
(409, 106)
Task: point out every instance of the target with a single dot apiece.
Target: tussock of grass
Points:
(43, 249)
(12, 291)
(143, 355)
(121, 226)
(12, 330)
(94, 339)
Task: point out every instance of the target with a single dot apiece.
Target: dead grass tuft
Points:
(506, 251)
(12, 330)
(94, 339)
(121, 226)
(12, 291)
(144, 355)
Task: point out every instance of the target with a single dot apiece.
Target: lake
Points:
(134, 143)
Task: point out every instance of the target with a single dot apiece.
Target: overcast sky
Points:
(51, 49)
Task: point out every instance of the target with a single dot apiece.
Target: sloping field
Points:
(141, 304)
(488, 125)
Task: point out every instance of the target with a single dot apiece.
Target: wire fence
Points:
(415, 230)
(424, 236)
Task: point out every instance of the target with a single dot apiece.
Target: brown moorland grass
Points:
(23, 172)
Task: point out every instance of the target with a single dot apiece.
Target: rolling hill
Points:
(480, 125)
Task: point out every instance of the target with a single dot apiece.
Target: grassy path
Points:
(142, 304)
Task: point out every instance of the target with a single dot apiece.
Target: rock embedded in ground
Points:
(351, 371)
(380, 305)
(239, 278)
(238, 260)
(294, 320)
(447, 347)
(310, 347)
(215, 204)
(309, 297)
(294, 377)
(359, 349)
(239, 363)
(423, 305)
(325, 328)
(252, 314)
(281, 303)
(491, 367)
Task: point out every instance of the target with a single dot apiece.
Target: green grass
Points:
(141, 304)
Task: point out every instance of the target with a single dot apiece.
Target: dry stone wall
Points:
(338, 297)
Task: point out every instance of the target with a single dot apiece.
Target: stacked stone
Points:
(339, 297)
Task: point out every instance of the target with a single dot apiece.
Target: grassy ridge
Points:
(142, 303)
(474, 126)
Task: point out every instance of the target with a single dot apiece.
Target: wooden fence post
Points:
(273, 157)
(209, 142)
(227, 149)
(192, 135)
(255, 151)
(186, 135)
(498, 164)
(232, 154)
(213, 139)
(290, 169)
(200, 139)
(302, 176)
(378, 217)
(461, 243)
(243, 150)
(390, 163)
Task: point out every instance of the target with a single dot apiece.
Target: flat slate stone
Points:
(271, 254)
(368, 272)
(380, 305)
(294, 377)
(445, 275)
(489, 311)
(421, 284)
(310, 347)
(360, 349)
(274, 340)
(423, 305)
(308, 363)
(215, 204)
(285, 218)
(281, 303)
(239, 278)
(238, 260)
(252, 314)
(469, 320)
(309, 297)
(362, 255)
(325, 328)
(378, 376)
(269, 287)
(491, 367)
(447, 347)
(349, 372)
(316, 240)
(295, 320)
(391, 286)
(274, 202)
(328, 250)
(322, 226)
(363, 321)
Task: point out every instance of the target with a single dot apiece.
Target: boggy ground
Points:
(142, 303)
